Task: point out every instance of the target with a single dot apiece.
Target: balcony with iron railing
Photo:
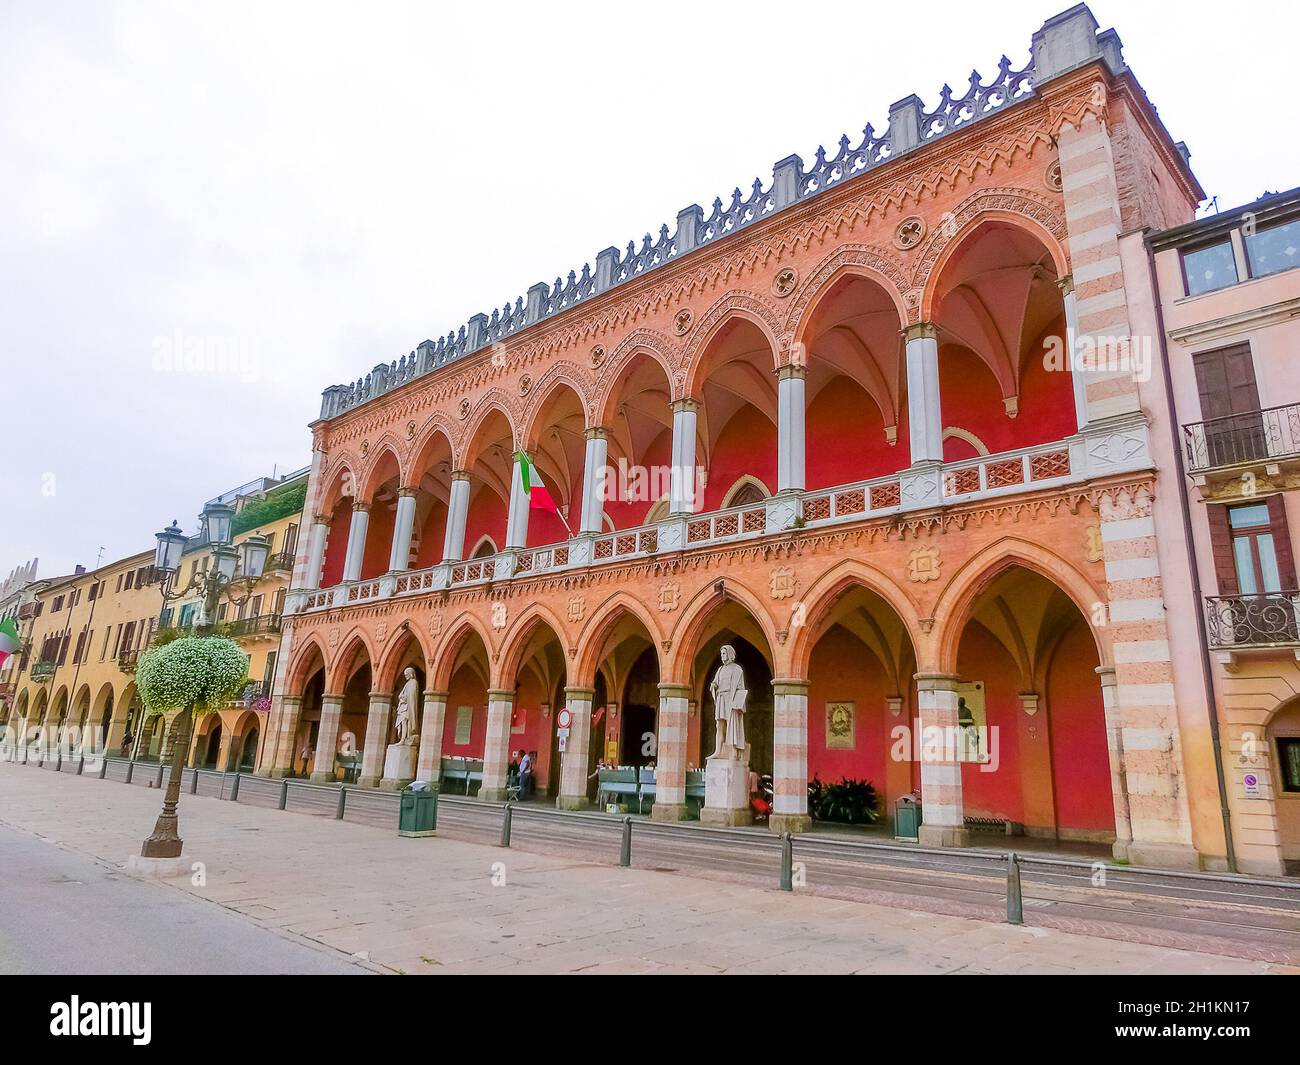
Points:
(44, 670)
(1264, 436)
(128, 660)
(260, 625)
(1034, 469)
(1243, 622)
(280, 562)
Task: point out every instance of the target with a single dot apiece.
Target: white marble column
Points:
(577, 750)
(320, 529)
(403, 526)
(943, 822)
(593, 505)
(790, 429)
(327, 739)
(1078, 376)
(429, 765)
(453, 544)
(517, 519)
(372, 758)
(789, 757)
(356, 552)
(496, 745)
(681, 495)
(924, 417)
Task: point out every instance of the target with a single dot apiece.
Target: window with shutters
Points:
(1232, 428)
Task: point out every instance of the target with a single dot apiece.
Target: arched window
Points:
(746, 491)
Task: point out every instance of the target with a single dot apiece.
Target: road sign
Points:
(564, 718)
(1251, 784)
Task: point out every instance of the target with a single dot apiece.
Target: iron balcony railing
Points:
(128, 660)
(1236, 621)
(262, 624)
(1238, 439)
(43, 670)
(282, 560)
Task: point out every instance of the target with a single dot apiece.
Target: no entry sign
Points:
(564, 718)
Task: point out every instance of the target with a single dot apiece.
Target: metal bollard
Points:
(284, 794)
(787, 862)
(194, 781)
(625, 852)
(158, 783)
(130, 771)
(1015, 903)
(343, 802)
(81, 765)
(505, 825)
(103, 766)
(234, 790)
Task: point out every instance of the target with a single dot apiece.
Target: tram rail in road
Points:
(1257, 910)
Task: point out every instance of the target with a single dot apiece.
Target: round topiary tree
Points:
(195, 675)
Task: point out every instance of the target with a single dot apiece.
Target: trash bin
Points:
(418, 815)
(907, 819)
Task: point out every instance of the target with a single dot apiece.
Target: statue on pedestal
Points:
(407, 702)
(729, 695)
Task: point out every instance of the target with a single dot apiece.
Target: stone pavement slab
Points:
(439, 905)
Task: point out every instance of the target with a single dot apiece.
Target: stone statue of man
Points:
(729, 694)
(407, 702)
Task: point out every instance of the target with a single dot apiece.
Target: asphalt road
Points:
(66, 914)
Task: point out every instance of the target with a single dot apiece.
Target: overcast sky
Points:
(294, 192)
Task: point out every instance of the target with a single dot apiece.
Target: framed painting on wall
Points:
(841, 726)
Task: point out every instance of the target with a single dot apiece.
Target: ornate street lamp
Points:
(231, 571)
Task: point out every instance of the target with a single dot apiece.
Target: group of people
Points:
(523, 772)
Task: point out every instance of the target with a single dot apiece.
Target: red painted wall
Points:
(432, 534)
(746, 445)
(336, 545)
(379, 540)
(465, 690)
(1080, 765)
(627, 513)
(981, 657)
(844, 438)
(843, 669)
(487, 517)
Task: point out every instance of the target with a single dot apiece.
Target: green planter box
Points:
(418, 815)
(907, 821)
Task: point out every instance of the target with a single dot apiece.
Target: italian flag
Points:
(539, 496)
(8, 638)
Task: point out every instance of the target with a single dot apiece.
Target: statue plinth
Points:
(726, 792)
(399, 766)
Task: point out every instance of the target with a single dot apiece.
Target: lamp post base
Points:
(156, 868)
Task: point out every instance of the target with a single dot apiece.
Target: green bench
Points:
(469, 771)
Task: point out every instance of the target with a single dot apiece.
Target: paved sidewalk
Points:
(444, 906)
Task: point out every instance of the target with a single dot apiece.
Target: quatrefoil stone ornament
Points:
(682, 323)
(910, 232)
(784, 282)
(597, 356)
(525, 384)
(464, 408)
